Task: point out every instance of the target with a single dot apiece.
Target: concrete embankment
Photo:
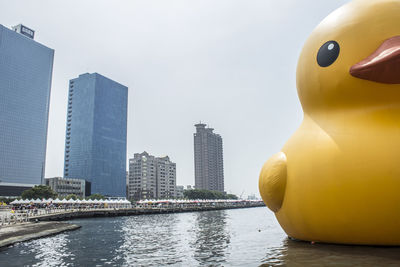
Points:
(82, 213)
(26, 231)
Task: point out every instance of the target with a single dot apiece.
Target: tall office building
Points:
(208, 159)
(95, 142)
(151, 177)
(25, 79)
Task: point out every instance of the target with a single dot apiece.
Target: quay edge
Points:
(13, 234)
(127, 212)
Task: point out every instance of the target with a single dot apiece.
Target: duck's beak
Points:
(381, 66)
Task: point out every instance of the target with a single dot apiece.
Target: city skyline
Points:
(174, 57)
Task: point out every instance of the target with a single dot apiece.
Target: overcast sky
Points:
(230, 64)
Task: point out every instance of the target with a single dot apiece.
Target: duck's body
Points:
(343, 182)
(342, 166)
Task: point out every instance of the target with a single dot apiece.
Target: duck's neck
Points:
(385, 116)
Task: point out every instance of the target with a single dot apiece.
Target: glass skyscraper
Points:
(25, 79)
(95, 142)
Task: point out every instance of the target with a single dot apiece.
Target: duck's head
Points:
(352, 58)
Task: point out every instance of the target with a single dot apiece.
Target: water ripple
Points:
(242, 237)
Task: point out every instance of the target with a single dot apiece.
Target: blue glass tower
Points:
(95, 142)
(25, 79)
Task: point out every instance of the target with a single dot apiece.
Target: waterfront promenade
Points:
(20, 224)
(66, 212)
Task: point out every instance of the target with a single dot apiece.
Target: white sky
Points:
(228, 63)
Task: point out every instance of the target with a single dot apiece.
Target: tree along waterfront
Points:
(207, 194)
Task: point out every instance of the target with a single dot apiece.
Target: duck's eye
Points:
(328, 53)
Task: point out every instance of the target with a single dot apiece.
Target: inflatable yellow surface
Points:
(337, 179)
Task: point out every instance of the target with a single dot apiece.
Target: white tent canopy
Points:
(114, 203)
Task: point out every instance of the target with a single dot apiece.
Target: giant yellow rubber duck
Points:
(337, 179)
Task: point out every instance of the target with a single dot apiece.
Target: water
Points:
(241, 237)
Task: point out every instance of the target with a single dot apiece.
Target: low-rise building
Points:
(13, 189)
(252, 197)
(179, 191)
(66, 186)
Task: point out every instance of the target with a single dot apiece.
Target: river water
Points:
(240, 237)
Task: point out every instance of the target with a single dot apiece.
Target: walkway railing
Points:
(23, 214)
(8, 217)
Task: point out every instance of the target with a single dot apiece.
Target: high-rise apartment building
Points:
(95, 142)
(25, 80)
(208, 159)
(166, 178)
(142, 177)
(151, 177)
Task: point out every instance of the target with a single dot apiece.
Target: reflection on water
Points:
(211, 237)
(152, 238)
(242, 237)
(171, 239)
(296, 253)
(50, 251)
